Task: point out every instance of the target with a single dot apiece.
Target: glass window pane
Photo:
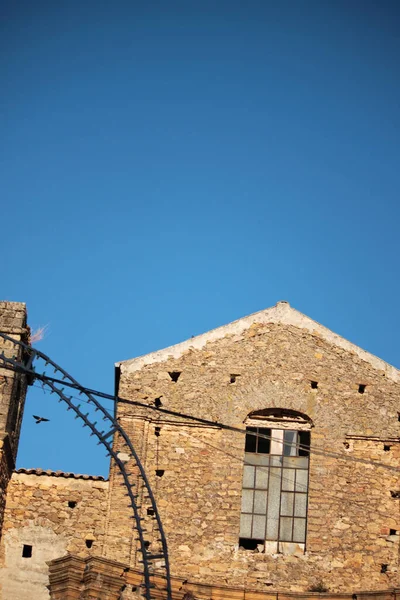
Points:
(289, 446)
(248, 476)
(277, 441)
(276, 461)
(272, 528)
(300, 505)
(262, 478)
(256, 459)
(293, 462)
(285, 530)
(264, 443)
(287, 501)
(259, 527)
(274, 501)
(296, 462)
(275, 482)
(247, 501)
(299, 530)
(250, 440)
(260, 502)
(301, 480)
(245, 526)
(288, 477)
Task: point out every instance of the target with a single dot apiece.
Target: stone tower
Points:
(12, 394)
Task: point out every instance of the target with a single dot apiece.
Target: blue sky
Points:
(168, 167)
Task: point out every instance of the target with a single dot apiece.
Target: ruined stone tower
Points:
(12, 395)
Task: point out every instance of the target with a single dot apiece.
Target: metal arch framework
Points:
(25, 366)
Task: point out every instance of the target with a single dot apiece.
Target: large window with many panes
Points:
(275, 489)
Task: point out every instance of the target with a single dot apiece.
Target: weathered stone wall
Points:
(350, 545)
(75, 578)
(12, 385)
(6, 467)
(12, 394)
(354, 500)
(40, 513)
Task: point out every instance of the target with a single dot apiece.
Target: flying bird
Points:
(39, 419)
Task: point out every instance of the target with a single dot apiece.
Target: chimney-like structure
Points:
(12, 393)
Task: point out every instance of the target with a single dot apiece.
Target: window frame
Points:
(292, 503)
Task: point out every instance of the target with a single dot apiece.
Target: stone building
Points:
(298, 494)
(12, 395)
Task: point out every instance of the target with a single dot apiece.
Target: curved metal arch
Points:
(26, 367)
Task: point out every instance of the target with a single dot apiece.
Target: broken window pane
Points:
(264, 443)
(275, 484)
(304, 443)
(249, 544)
(251, 440)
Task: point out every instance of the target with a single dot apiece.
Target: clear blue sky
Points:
(168, 167)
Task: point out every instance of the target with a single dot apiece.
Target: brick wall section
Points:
(351, 510)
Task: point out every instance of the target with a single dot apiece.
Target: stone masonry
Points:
(12, 395)
(353, 506)
(43, 514)
(75, 534)
(48, 515)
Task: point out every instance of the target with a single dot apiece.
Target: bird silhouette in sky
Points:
(40, 419)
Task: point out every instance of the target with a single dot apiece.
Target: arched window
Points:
(275, 481)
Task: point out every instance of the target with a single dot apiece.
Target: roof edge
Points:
(62, 474)
(281, 313)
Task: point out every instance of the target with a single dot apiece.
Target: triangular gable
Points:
(281, 313)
